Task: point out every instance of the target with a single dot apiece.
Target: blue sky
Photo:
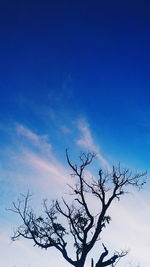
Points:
(73, 74)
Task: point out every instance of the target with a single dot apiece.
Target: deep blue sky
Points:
(66, 60)
(88, 58)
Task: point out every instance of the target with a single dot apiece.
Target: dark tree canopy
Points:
(82, 224)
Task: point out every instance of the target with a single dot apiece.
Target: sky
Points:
(73, 74)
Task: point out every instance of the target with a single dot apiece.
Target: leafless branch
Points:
(83, 224)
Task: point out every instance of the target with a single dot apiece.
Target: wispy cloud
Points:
(50, 174)
(42, 164)
(40, 141)
(86, 141)
(65, 129)
(31, 164)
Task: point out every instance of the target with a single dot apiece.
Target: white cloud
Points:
(86, 141)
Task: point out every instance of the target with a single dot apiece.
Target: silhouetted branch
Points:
(102, 262)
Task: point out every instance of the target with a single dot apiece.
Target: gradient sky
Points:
(73, 74)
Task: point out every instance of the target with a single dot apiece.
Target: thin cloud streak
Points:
(40, 141)
(46, 163)
(52, 169)
(86, 141)
(65, 129)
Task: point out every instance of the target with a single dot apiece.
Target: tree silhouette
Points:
(82, 225)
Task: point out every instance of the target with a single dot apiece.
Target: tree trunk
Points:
(80, 265)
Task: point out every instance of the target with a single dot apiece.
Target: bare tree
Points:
(84, 226)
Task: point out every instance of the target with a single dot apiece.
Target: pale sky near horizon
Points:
(73, 75)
